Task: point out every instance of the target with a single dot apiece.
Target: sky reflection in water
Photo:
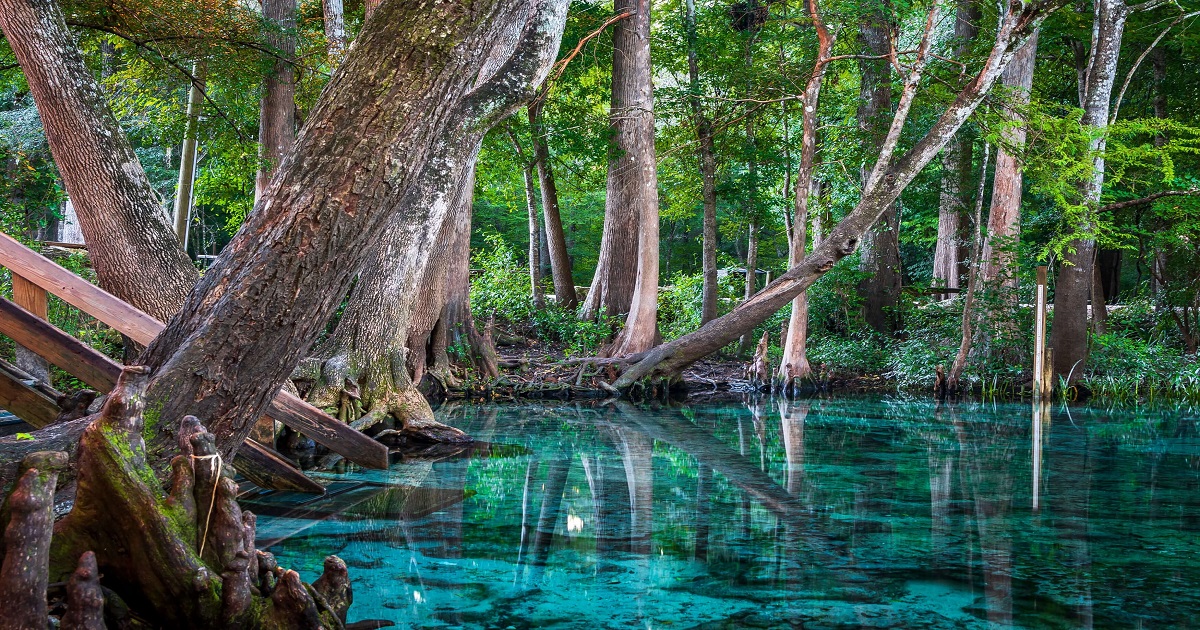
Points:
(821, 514)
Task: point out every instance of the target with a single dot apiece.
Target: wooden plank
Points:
(72, 355)
(324, 429)
(30, 296)
(268, 469)
(142, 328)
(26, 403)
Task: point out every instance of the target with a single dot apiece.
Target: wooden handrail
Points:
(142, 329)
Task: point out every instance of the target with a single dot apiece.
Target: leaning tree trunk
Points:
(556, 241)
(632, 200)
(277, 115)
(405, 108)
(880, 247)
(794, 365)
(1073, 287)
(957, 161)
(708, 174)
(131, 246)
(633, 172)
(888, 179)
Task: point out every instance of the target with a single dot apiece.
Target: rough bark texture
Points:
(708, 175)
(335, 29)
(25, 571)
(633, 174)
(880, 247)
(949, 253)
(556, 241)
(889, 178)
(397, 120)
(632, 197)
(1073, 287)
(132, 247)
(999, 260)
(277, 115)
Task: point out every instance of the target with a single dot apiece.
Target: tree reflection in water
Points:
(836, 513)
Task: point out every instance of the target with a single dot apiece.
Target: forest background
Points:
(894, 309)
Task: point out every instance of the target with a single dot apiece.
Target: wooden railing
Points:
(24, 320)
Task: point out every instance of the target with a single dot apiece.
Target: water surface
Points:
(840, 513)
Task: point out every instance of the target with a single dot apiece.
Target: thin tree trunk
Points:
(535, 246)
(751, 280)
(794, 365)
(633, 175)
(708, 174)
(973, 278)
(880, 247)
(1073, 287)
(892, 173)
(335, 30)
(359, 163)
(277, 118)
(957, 165)
(556, 241)
(187, 154)
(132, 248)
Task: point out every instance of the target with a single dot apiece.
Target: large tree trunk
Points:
(957, 162)
(277, 118)
(794, 365)
(633, 174)
(880, 247)
(1073, 288)
(708, 174)
(556, 241)
(889, 178)
(385, 144)
(132, 248)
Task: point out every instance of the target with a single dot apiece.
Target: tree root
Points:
(183, 558)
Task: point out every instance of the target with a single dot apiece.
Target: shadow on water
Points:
(844, 513)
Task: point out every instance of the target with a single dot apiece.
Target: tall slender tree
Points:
(708, 172)
(556, 241)
(277, 118)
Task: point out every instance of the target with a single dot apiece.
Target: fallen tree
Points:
(887, 179)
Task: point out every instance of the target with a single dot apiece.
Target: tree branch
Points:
(1120, 205)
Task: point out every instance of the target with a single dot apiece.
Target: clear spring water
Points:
(837, 513)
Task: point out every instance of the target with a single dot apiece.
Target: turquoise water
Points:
(840, 513)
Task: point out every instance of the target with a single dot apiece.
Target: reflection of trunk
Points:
(552, 495)
(950, 251)
(556, 242)
(636, 453)
(277, 122)
(1073, 288)
(626, 280)
(880, 247)
(610, 502)
(131, 246)
(633, 176)
(708, 174)
(703, 513)
(791, 417)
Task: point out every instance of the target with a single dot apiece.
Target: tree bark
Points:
(399, 118)
(880, 247)
(335, 30)
(277, 117)
(132, 248)
(710, 292)
(633, 174)
(957, 166)
(888, 179)
(556, 241)
(624, 268)
(794, 365)
(535, 245)
(1072, 289)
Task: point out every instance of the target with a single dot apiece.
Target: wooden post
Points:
(1040, 386)
(34, 299)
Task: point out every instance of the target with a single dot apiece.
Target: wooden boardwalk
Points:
(23, 319)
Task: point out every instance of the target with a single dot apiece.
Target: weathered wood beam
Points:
(26, 403)
(142, 329)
